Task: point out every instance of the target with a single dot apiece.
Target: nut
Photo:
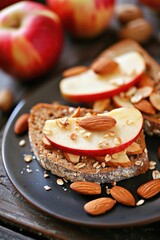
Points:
(122, 195)
(101, 105)
(72, 158)
(74, 71)
(46, 143)
(139, 29)
(87, 188)
(155, 100)
(104, 66)
(99, 206)
(21, 124)
(145, 106)
(144, 81)
(134, 148)
(6, 100)
(149, 189)
(128, 12)
(97, 123)
(76, 112)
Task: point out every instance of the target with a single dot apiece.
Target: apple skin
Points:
(31, 39)
(6, 3)
(84, 19)
(151, 3)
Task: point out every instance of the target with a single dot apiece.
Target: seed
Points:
(22, 143)
(60, 182)
(107, 157)
(117, 141)
(47, 188)
(28, 158)
(140, 202)
(156, 174)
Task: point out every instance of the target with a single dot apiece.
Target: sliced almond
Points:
(97, 123)
(99, 206)
(87, 188)
(76, 112)
(74, 71)
(144, 81)
(145, 106)
(72, 157)
(141, 93)
(155, 100)
(104, 66)
(122, 195)
(134, 148)
(46, 143)
(149, 189)
(101, 105)
(120, 160)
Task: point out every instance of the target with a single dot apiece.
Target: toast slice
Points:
(150, 106)
(79, 168)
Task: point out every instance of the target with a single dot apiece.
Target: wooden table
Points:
(20, 220)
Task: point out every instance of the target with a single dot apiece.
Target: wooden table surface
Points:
(20, 220)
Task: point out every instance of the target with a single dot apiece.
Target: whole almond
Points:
(87, 188)
(122, 195)
(6, 100)
(97, 123)
(74, 71)
(104, 66)
(149, 189)
(139, 29)
(128, 12)
(21, 124)
(145, 106)
(99, 206)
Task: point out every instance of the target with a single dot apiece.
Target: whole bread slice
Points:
(151, 122)
(85, 170)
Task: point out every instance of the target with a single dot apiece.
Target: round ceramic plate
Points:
(60, 201)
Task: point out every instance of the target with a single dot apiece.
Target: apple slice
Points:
(67, 135)
(89, 86)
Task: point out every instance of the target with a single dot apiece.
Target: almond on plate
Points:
(99, 206)
(149, 189)
(21, 124)
(88, 188)
(122, 195)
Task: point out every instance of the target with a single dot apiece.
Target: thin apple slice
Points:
(89, 86)
(67, 135)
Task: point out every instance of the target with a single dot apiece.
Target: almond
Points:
(74, 71)
(72, 158)
(122, 195)
(21, 124)
(128, 12)
(155, 100)
(149, 189)
(134, 148)
(99, 206)
(87, 188)
(46, 143)
(145, 106)
(76, 112)
(97, 123)
(101, 105)
(144, 81)
(6, 100)
(139, 29)
(104, 66)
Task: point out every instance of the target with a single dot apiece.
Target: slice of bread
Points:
(87, 168)
(151, 121)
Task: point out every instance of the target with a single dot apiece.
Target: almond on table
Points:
(87, 188)
(122, 195)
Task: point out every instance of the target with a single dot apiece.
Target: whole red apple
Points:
(152, 3)
(31, 39)
(84, 18)
(5, 3)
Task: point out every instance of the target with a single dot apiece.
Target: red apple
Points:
(152, 3)
(31, 39)
(84, 18)
(6, 3)
(89, 86)
(67, 135)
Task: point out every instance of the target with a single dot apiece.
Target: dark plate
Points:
(60, 201)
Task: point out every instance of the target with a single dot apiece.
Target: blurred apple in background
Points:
(84, 18)
(5, 3)
(152, 3)
(31, 39)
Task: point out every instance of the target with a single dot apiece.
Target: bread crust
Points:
(54, 160)
(151, 122)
